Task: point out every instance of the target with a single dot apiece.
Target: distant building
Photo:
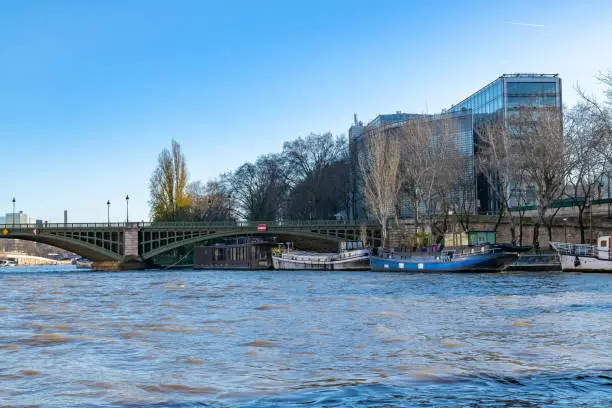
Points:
(356, 146)
(18, 218)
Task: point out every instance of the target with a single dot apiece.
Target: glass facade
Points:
(500, 99)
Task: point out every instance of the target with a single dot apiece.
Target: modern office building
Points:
(497, 100)
(396, 118)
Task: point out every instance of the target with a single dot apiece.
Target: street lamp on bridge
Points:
(13, 213)
(229, 206)
(108, 212)
(609, 168)
(127, 208)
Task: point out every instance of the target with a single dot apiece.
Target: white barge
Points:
(351, 257)
(585, 257)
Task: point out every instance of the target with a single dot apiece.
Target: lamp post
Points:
(565, 228)
(108, 212)
(13, 213)
(609, 168)
(127, 208)
(229, 206)
(590, 204)
(206, 214)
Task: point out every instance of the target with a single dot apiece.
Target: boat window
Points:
(604, 243)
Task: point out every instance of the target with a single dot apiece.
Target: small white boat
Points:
(585, 257)
(7, 262)
(352, 257)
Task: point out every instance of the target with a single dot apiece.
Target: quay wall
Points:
(400, 231)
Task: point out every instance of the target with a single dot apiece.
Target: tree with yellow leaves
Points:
(168, 186)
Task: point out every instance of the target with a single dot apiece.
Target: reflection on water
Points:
(222, 338)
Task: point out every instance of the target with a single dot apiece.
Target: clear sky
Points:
(92, 91)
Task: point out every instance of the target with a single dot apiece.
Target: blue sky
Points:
(92, 91)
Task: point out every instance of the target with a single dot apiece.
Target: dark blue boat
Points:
(479, 259)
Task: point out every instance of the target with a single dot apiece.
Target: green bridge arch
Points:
(115, 242)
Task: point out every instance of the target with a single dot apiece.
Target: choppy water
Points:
(277, 339)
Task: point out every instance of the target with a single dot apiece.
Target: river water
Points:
(288, 339)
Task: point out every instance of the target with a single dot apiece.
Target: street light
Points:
(229, 206)
(127, 208)
(13, 213)
(565, 228)
(208, 209)
(609, 168)
(589, 204)
(108, 212)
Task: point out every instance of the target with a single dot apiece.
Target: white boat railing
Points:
(564, 248)
(292, 256)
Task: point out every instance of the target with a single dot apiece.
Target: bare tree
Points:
(496, 160)
(313, 164)
(417, 165)
(258, 190)
(463, 195)
(380, 168)
(437, 177)
(208, 202)
(539, 134)
(587, 147)
(452, 174)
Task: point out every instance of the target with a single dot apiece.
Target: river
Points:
(287, 339)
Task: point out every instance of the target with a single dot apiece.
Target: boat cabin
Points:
(603, 248)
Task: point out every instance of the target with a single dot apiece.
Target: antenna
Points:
(355, 117)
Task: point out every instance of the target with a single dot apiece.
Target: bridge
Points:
(130, 245)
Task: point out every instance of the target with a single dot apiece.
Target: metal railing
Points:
(188, 224)
(255, 224)
(69, 225)
(564, 248)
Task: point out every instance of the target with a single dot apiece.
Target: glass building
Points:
(499, 99)
(392, 119)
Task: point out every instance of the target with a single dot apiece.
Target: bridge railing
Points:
(254, 224)
(184, 224)
(68, 225)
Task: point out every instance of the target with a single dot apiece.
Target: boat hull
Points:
(584, 264)
(492, 262)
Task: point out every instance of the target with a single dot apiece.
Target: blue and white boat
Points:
(474, 259)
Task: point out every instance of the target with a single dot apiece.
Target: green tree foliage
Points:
(169, 200)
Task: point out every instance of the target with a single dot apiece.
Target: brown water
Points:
(236, 338)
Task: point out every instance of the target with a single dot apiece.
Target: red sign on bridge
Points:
(261, 228)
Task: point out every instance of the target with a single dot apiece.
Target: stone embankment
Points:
(567, 230)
